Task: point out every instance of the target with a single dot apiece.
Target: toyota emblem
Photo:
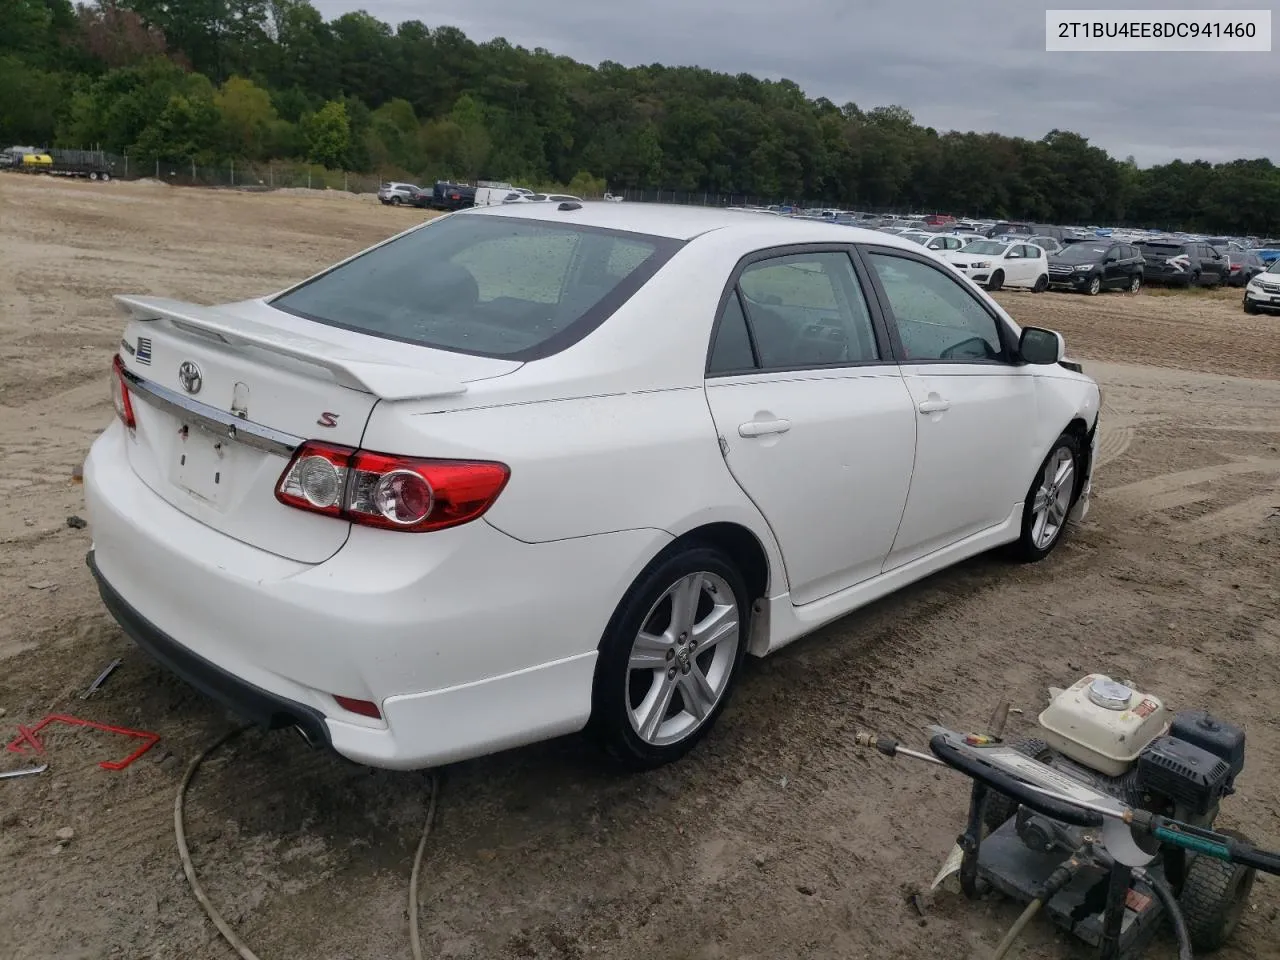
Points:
(189, 376)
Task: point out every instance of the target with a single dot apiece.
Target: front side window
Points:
(484, 285)
(937, 318)
(807, 309)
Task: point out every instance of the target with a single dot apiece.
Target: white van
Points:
(492, 196)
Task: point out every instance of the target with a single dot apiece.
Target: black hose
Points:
(1171, 907)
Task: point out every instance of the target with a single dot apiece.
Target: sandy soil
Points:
(776, 839)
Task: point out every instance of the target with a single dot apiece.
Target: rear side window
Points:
(732, 351)
(806, 310)
(488, 286)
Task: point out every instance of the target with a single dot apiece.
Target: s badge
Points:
(327, 420)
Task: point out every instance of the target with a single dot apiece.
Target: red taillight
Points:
(390, 492)
(120, 394)
(365, 708)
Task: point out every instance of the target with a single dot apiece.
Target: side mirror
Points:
(1040, 346)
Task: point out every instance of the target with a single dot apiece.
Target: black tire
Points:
(1214, 895)
(996, 281)
(93, 174)
(106, 177)
(1194, 281)
(999, 807)
(1250, 307)
(1135, 283)
(1095, 287)
(1042, 283)
(610, 724)
(396, 201)
(1025, 547)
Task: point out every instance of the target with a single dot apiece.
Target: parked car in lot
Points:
(1262, 294)
(452, 196)
(996, 264)
(422, 506)
(1243, 266)
(1049, 245)
(1010, 228)
(1096, 265)
(1183, 263)
(394, 193)
(553, 198)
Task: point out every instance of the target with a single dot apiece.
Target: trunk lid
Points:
(222, 395)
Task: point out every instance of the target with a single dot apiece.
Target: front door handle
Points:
(762, 428)
(934, 405)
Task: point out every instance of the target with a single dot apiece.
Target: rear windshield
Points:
(485, 285)
(1161, 247)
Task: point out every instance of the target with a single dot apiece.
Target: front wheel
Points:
(1042, 283)
(396, 201)
(996, 281)
(1249, 306)
(1049, 500)
(1095, 286)
(1135, 283)
(669, 657)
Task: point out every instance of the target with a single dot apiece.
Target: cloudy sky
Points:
(973, 65)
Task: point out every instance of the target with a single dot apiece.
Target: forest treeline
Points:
(255, 80)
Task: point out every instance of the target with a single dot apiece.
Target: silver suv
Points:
(396, 193)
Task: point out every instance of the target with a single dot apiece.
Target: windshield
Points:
(484, 285)
(1275, 267)
(1083, 252)
(986, 247)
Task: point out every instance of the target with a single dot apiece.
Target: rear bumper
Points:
(239, 696)
(468, 640)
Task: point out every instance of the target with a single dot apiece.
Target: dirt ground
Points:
(777, 838)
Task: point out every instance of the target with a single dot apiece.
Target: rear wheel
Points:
(1049, 500)
(1095, 287)
(1135, 283)
(1213, 897)
(669, 657)
(996, 281)
(1042, 283)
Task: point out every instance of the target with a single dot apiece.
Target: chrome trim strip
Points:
(225, 426)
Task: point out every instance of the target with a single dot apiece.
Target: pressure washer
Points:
(1105, 820)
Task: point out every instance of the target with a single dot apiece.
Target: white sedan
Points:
(996, 264)
(525, 470)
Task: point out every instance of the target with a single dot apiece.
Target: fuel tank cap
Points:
(1110, 694)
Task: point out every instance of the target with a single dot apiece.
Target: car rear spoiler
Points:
(383, 379)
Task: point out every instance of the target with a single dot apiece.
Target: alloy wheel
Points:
(1053, 498)
(682, 659)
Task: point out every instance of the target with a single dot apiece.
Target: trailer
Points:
(86, 164)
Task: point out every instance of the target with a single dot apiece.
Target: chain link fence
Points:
(280, 174)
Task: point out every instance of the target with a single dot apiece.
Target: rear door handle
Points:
(762, 428)
(935, 405)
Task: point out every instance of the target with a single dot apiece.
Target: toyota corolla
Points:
(530, 469)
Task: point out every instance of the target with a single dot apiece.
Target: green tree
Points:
(328, 134)
(247, 117)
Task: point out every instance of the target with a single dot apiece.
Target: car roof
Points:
(680, 222)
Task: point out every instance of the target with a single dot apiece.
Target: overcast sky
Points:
(972, 65)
